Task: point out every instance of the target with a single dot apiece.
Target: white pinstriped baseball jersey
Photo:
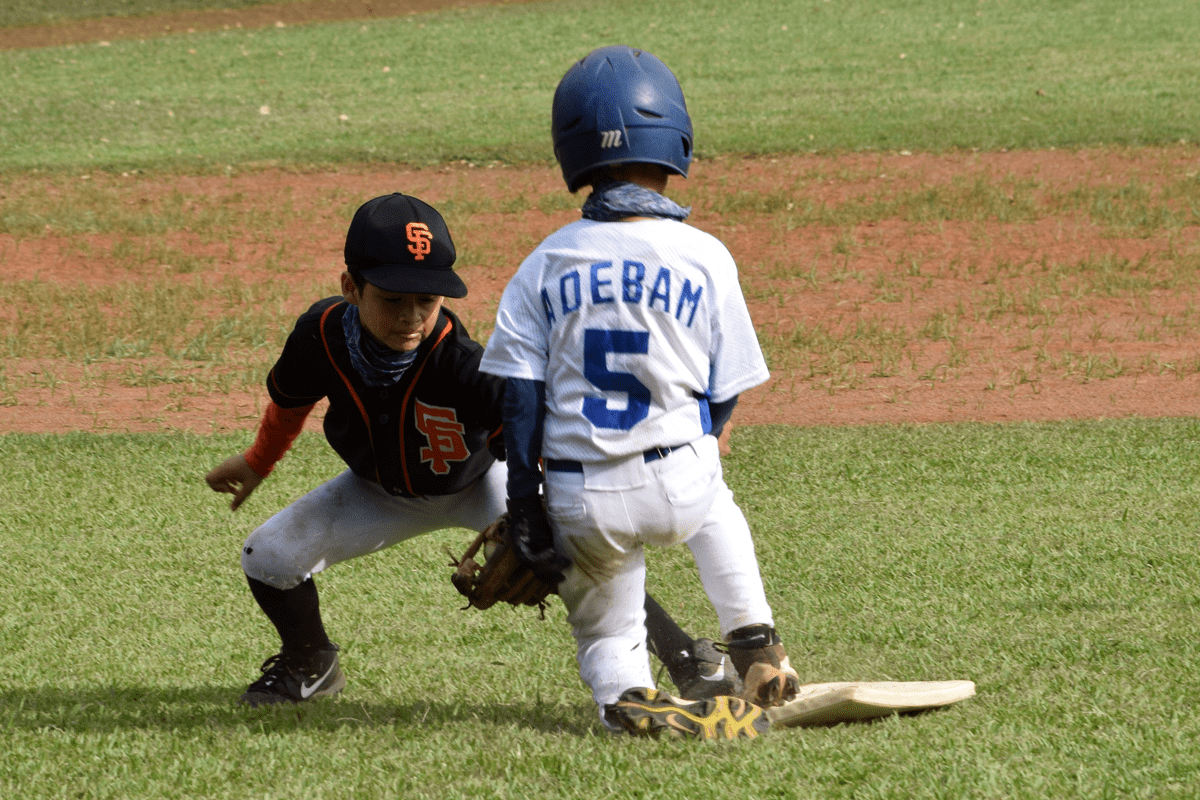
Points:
(630, 325)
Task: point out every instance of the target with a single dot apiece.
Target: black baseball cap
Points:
(401, 244)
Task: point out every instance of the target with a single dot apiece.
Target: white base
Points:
(829, 703)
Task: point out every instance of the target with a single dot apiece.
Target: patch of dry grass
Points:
(857, 270)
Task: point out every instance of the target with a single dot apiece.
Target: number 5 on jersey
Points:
(597, 344)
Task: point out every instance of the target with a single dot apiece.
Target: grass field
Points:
(475, 84)
(38, 12)
(1054, 564)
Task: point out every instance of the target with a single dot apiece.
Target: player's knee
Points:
(265, 563)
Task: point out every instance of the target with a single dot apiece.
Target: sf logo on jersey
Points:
(445, 435)
(420, 238)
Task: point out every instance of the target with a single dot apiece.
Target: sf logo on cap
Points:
(421, 239)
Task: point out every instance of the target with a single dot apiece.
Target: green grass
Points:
(37, 12)
(476, 83)
(143, 318)
(1053, 564)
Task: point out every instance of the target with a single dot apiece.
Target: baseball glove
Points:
(502, 576)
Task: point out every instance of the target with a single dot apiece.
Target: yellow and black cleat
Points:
(649, 712)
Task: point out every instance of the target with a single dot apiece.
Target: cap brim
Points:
(414, 280)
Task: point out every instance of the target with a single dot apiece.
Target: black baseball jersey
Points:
(428, 434)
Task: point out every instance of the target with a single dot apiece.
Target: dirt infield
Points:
(263, 16)
(1070, 293)
(888, 320)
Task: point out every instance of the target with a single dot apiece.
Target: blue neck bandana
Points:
(616, 200)
(377, 364)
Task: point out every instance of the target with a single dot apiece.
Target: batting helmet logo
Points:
(610, 139)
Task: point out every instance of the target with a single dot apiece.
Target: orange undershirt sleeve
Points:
(278, 429)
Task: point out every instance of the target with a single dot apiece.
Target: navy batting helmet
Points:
(619, 105)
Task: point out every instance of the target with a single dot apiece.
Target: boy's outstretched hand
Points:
(234, 476)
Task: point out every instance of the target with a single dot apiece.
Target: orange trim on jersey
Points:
(404, 406)
(350, 388)
(492, 436)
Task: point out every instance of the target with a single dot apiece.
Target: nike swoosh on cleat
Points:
(306, 690)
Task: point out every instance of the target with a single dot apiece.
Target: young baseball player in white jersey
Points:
(626, 341)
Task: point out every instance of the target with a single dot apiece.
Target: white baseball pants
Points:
(349, 517)
(602, 518)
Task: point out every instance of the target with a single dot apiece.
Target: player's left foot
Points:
(650, 712)
(707, 675)
(291, 678)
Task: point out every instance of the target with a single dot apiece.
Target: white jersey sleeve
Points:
(736, 358)
(634, 327)
(518, 347)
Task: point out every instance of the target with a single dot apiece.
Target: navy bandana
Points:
(378, 365)
(614, 201)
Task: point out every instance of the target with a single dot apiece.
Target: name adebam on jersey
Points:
(634, 289)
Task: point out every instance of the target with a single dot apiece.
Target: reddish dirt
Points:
(261, 16)
(1130, 347)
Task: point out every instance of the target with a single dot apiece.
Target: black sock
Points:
(753, 637)
(668, 642)
(295, 613)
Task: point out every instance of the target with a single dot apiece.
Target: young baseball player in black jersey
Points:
(420, 430)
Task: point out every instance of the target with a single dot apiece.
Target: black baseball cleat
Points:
(705, 676)
(649, 712)
(288, 678)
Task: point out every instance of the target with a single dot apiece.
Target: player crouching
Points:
(409, 413)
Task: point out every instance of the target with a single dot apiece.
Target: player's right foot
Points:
(762, 665)
(649, 712)
(288, 678)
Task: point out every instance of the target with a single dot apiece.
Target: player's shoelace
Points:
(707, 678)
(285, 680)
(649, 712)
(279, 679)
